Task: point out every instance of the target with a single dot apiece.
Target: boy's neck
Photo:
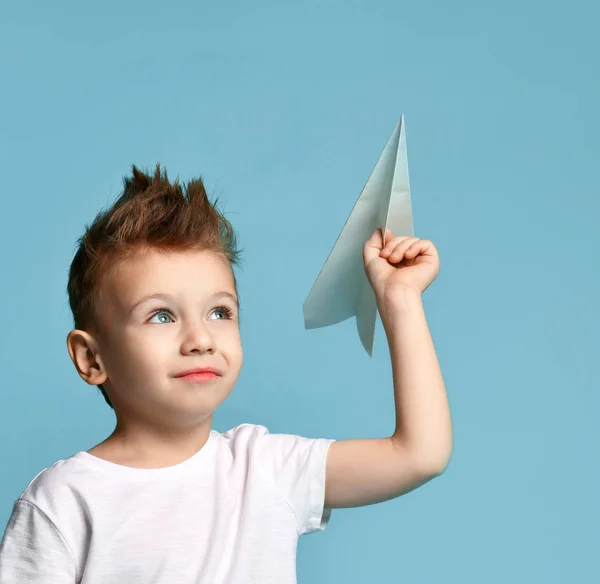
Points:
(143, 447)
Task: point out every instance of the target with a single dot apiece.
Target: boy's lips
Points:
(200, 371)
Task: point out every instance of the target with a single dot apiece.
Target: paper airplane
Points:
(342, 289)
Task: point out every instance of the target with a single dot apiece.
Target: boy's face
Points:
(146, 343)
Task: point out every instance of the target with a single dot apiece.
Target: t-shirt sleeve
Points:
(299, 466)
(33, 550)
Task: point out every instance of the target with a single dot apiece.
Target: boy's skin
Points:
(162, 420)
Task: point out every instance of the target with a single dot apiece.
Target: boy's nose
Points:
(198, 338)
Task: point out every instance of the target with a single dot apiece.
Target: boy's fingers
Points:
(372, 247)
(376, 239)
(397, 241)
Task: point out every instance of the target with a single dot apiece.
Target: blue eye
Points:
(161, 311)
(224, 310)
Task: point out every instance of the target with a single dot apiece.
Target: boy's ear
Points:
(83, 350)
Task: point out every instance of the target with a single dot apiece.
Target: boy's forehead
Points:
(175, 273)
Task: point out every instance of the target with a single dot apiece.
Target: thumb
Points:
(372, 246)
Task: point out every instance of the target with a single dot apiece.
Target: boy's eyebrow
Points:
(161, 296)
(225, 294)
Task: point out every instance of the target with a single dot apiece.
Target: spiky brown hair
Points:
(151, 214)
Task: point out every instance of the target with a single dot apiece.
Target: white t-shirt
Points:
(230, 514)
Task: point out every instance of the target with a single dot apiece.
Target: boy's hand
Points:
(407, 262)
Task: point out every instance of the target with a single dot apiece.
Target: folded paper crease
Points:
(342, 289)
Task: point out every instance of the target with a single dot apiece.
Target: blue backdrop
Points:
(283, 108)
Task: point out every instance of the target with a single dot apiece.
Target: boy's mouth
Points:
(199, 374)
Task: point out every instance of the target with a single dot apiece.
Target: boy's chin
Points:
(193, 403)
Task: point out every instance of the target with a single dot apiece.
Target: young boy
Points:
(165, 498)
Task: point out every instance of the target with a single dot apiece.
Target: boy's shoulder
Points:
(272, 448)
(54, 482)
(245, 432)
(259, 438)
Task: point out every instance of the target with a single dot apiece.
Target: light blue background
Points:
(284, 108)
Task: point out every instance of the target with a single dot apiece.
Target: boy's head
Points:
(167, 241)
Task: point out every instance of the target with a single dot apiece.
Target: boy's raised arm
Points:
(367, 471)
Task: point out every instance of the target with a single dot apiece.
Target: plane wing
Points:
(342, 289)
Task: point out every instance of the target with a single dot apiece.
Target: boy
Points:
(166, 499)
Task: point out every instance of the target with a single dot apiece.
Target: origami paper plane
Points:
(342, 289)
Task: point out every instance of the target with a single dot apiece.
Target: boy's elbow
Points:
(434, 466)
